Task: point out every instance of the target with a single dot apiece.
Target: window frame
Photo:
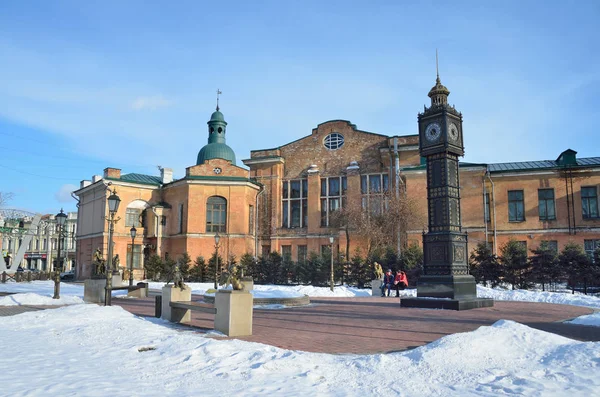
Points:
(589, 214)
(375, 200)
(217, 206)
(327, 198)
(132, 217)
(292, 202)
(515, 203)
(543, 203)
(137, 256)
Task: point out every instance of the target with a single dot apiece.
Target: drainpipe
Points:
(484, 208)
(397, 172)
(494, 207)
(262, 190)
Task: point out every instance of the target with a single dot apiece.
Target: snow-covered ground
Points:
(91, 350)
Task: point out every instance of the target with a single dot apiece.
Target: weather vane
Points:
(437, 69)
(218, 93)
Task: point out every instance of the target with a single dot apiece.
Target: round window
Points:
(334, 141)
(220, 130)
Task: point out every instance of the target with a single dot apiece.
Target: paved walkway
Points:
(375, 325)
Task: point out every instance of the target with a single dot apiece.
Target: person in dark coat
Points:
(388, 282)
(400, 282)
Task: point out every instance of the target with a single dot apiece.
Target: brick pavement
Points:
(375, 325)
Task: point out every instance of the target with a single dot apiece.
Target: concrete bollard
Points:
(234, 312)
(157, 306)
(376, 287)
(171, 293)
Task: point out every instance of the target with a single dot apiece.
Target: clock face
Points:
(217, 170)
(433, 132)
(453, 132)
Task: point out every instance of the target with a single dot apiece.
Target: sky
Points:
(155, 358)
(131, 85)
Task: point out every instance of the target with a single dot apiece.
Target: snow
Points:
(30, 298)
(591, 319)
(91, 350)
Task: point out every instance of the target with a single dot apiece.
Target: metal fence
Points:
(22, 277)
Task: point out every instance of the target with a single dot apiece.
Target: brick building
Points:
(284, 201)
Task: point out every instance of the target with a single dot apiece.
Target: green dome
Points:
(215, 151)
(217, 147)
(217, 116)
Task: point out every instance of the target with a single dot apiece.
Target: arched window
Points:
(216, 214)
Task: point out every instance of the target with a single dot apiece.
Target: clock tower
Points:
(445, 269)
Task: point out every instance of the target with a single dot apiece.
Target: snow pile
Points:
(38, 300)
(591, 319)
(539, 296)
(89, 350)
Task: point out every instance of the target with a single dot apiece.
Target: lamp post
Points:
(132, 231)
(61, 217)
(331, 282)
(217, 238)
(113, 206)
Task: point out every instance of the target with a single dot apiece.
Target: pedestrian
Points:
(388, 281)
(400, 282)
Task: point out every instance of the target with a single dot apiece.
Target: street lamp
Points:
(217, 238)
(113, 206)
(61, 217)
(331, 282)
(132, 231)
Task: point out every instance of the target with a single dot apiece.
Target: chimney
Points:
(112, 173)
(166, 175)
(96, 178)
(84, 183)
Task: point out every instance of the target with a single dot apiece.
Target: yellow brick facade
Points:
(176, 211)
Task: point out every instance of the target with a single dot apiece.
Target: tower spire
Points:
(437, 69)
(218, 93)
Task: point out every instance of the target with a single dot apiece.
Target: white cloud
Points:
(150, 102)
(64, 193)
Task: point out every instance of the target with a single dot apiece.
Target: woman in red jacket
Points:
(400, 282)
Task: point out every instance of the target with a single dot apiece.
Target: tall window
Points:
(552, 244)
(251, 219)
(137, 256)
(373, 189)
(132, 217)
(295, 203)
(286, 252)
(516, 206)
(180, 220)
(486, 209)
(302, 253)
(589, 202)
(546, 204)
(266, 250)
(590, 246)
(216, 214)
(333, 197)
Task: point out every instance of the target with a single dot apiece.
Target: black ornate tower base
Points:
(446, 283)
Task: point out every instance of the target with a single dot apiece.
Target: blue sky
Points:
(131, 84)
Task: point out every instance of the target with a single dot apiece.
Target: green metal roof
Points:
(215, 151)
(141, 178)
(542, 165)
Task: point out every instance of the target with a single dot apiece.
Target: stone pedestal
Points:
(376, 287)
(141, 292)
(234, 312)
(93, 290)
(454, 292)
(248, 283)
(170, 293)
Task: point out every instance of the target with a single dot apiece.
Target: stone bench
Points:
(232, 309)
